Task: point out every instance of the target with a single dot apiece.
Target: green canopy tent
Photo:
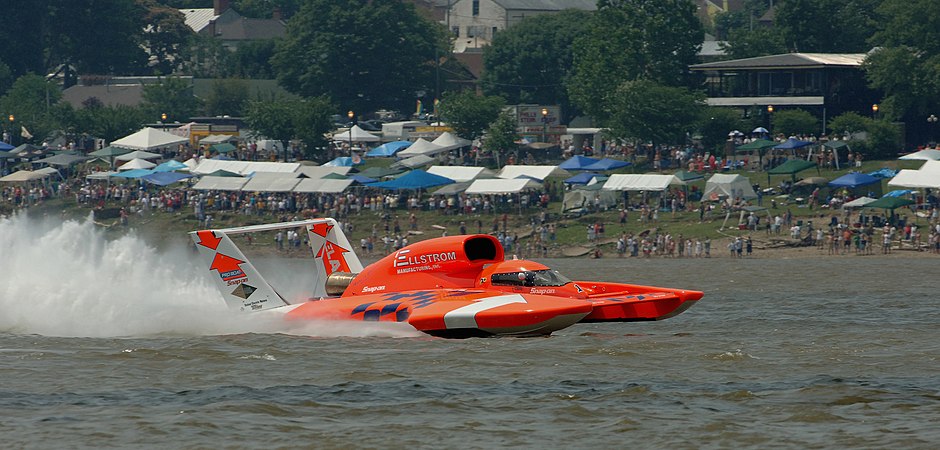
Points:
(835, 146)
(758, 145)
(890, 203)
(224, 147)
(110, 152)
(335, 176)
(791, 167)
(223, 173)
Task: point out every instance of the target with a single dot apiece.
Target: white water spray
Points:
(67, 279)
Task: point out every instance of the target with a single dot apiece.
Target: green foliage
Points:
(31, 100)
(529, 62)
(263, 9)
(761, 41)
(284, 120)
(109, 122)
(227, 97)
(653, 112)
(469, 114)
(629, 40)
(827, 26)
(884, 140)
(714, 125)
(6, 78)
(173, 96)
(364, 55)
(850, 123)
(794, 121)
(252, 60)
(501, 135)
(165, 37)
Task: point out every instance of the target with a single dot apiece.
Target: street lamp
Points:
(12, 130)
(162, 117)
(932, 120)
(350, 114)
(544, 124)
(770, 110)
(874, 111)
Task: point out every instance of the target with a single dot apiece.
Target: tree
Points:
(847, 24)
(629, 40)
(849, 123)
(173, 96)
(163, 37)
(652, 112)
(744, 43)
(530, 62)
(252, 60)
(795, 121)
(263, 9)
(31, 101)
(501, 135)
(714, 125)
(109, 122)
(284, 120)
(468, 113)
(364, 55)
(227, 97)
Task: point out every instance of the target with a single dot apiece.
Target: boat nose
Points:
(687, 296)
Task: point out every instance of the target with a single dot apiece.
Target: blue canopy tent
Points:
(343, 161)
(898, 193)
(857, 180)
(134, 173)
(606, 164)
(389, 148)
(577, 162)
(884, 173)
(581, 178)
(170, 166)
(4, 147)
(416, 179)
(791, 144)
(165, 178)
(362, 179)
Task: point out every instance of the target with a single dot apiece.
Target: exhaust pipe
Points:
(337, 282)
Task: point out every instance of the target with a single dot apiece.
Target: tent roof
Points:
(171, 165)
(148, 139)
(137, 154)
(165, 178)
(502, 186)
(217, 139)
(416, 179)
(683, 177)
(859, 202)
(448, 139)
(836, 144)
(133, 173)
(389, 148)
(24, 175)
(110, 151)
(582, 178)
(461, 173)
(731, 185)
(137, 163)
(210, 183)
(271, 182)
(792, 143)
(421, 147)
(929, 154)
(414, 161)
(606, 164)
(638, 182)
(358, 135)
(890, 203)
(757, 144)
(791, 167)
(243, 167)
(854, 179)
(223, 147)
(915, 179)
(62, 160)
(455, 188)
(322, 171)
(379, 172)
(536, 172)
(322, 185)
(577, 162)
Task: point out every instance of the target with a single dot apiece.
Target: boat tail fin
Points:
(332, 251)
(241, 285)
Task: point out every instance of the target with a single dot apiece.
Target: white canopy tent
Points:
(322, 185)
(217, 139)
(859, 202)
(322, 171)
(929, 154)
(210, 183)
(271, 182)
(137, 154)
(149, 139)
(502, 186)
(638, 182)
(358, 135)
(421, 147)
(732, 186)
(537, 172)
(100, 176)
(24, 175)
(413, 162)
(207, 166)
(137, 163)
(448, 139)
(461, 173)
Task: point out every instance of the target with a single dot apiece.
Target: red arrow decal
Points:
(208, 239)
(321, 228)
(333, 258)
(229, 268)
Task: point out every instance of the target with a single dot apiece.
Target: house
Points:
(475, 22)
(225, 24)
(826, 84)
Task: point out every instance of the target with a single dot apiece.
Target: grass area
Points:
(162, 228)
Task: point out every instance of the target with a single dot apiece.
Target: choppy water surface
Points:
(112, 344)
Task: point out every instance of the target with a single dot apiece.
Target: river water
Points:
(114, 344)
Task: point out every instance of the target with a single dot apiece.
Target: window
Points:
(476, 31)
(456, 31)
(476, 8)
(530, 278)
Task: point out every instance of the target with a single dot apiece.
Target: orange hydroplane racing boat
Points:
(458, 286)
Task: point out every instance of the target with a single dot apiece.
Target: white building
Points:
(475, 22)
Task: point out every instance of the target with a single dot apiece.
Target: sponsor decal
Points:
(373, 288)
(407, 263)
(229, 268)
(542, 291)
